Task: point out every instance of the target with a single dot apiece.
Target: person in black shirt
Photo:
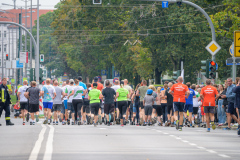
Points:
(109, 94)
(169, 104)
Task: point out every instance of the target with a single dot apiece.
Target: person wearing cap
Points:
(148, 102)
(122, 96)
(99, 85)
(94, 96)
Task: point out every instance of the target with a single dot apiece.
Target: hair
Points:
(144, 82)
(33, 83)
(166, 82)
(221, 85)
(55, 82)
(159, 89)
(88, 85)
(165, 86)
(208, 82)
(116, 82)
(4, 79)
(193, 86)
(67, 81)
(25, 82)
(107, 82)
(76, 81)
(121, 84)
(80, 78)
(95, 85)
(188, 84)
(229, 79)
(215, 85)
(170, 84)
(48, 81)
(152, 87)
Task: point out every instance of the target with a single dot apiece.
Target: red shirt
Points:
(99, 86)
(179, 92)
(209, 93)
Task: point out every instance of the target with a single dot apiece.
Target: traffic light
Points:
(205, 68)
(176, 74)
(6, 57)
(97, 1)
(212, 69)
(42, 58)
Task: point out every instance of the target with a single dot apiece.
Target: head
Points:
(159, 89)
(107, 83)
(229, 81)
(149, 92)
(95, 79)
(116, 82)
(48, 81)
(25, 82)
(4, 81)
(193, 87)
(215, 85)
(220, 87)
(125, 81)
(94, 85)
(165, 86)
(180, 79)
(71, 81)
(88, 85)
(152, 87)
(76, 82)
(144, 83)
(64, 84)
(121, 84)
(237, 80)
(80, 78)
(188, 84)
(138, 85)
(197, 86)
(33, 84)
(170, 84)
(208, 82)
(199, 90)
(166, 82)
(67, 82)
(55, 83)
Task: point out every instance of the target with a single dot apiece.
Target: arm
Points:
(84, 92)
(18, 95)
(117, 95)
(143, 102)
(26, 94)
(137, 94)
(187, 93)
(89, 97)
(63, 94)
(54, 95)
(71, 94)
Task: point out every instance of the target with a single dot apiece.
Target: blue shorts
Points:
(189, 108)
(70, 107)
(65, 104)
(178, 106)
(48, 105)
(134, 109)
(230, 108)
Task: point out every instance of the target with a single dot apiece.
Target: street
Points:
(114, 142)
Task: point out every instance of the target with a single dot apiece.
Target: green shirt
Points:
(142, 92)
(94, 96)
(122, 94)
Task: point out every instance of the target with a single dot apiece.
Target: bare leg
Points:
(23, 114)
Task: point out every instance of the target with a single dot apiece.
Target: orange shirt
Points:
(179, 92)
(99, 86)
(209, 93)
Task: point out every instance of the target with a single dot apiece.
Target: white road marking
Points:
(49, 145)
(211, 151)
(159, 131)
(223, 155)
(178, 138)
(201, 148)
(192, 144)
(102, 128)
(37, 146)
(165, 133)
(185, 141)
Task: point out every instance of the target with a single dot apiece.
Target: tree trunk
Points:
(157, 76)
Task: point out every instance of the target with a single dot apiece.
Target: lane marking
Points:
(192, 144)
(159, 131)
(102, 128)
(37, 146)
(49, 145)
(201, 148)
(185, 141)
(178, 138)
(224, 156)
(165, 133)
(211, 151)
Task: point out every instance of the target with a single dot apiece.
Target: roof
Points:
(12, 15)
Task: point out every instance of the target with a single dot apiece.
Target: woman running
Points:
(164, 104)
(158, 106)
(135, 105)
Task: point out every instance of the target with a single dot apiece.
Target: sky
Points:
(45, 4)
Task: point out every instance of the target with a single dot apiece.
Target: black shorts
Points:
(148, 110)
(24, 105)
(129, 103)
(33, 108)
(231, 108)
(169, 109)
(159, 110)
(209, 109)
(195, 110)
(141, 104)
(95, 108)
(57, 107)
(108, 108)
(86, 102)
(86, 108)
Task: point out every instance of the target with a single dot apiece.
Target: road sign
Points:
(231, 50)
(18, 64)
(23, 57)
(115, 80)
(237, 43)
(116, 74)
(164, 4)
(213, 48)
(99, 78)
(229, 61)
(103, 72)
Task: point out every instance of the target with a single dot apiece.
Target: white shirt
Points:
(22, 90)
(78, 91)
(69, 91)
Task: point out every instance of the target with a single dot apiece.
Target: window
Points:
(5, 33)
(5, 48)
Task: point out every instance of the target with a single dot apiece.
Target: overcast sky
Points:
(45, 4)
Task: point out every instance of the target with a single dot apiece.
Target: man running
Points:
(169, 98)
(64, 107)
(129, 88)
(141, 92)
(209, 94)
(70, 107)
(116, 87)
(48, 92)
(57, 102)
(86, 107)
(109, 94)
(33, 94)
(23, 100)
(179, 91)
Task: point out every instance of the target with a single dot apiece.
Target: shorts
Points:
(141, 104)
(57, 107)
(86, 102)
(129, 103)
(108, 108)
(48, 105)
(23, 105)
(134, 109)
(209, 109)
(65, 104)
(122, 106)
(148, 110)
(33, 108)
(195, 110)
(70, 107)
(169, 109)
(188, 107)
(115, 105)
(178, 106)
(86, 108)
(94, 108)
(202, 111)
(230, 108)
(158, 110)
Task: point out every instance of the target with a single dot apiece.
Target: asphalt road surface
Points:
(48, 142)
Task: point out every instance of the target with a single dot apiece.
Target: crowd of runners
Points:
(173, 104)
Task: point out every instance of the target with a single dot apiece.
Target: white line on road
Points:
(165, 133)
(192, 144)
(211, 151)
(49, 145)
(37, 146)
(185, 141)
(201, 148)
(223, 155)
(102, 128)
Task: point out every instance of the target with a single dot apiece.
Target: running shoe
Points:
(122, 125)
(45, 121)
(37, 118)
(27, 119)
(53, 122)
(108, 123)
(150, 124)
(68, 121)
(227, 128)
(60, 119)
(95, 125)
(208, 130)
(159, 124)
(145, 124)
(63, 123)
(49, 122)
(177, 124)
(180, 128)
(213, 126)
(57, 123)
(31, 123)
(137, 124)
(23, 123)
(72, 122)
(79, 123)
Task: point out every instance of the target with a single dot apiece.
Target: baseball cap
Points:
(149, 91)
(95, 79)
(71, 81)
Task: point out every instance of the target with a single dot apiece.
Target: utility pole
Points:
(2, 56)
(31, 41)
(37, 52)
(25, 75)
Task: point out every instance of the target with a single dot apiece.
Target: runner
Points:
(129, 88)
(94, 97)
(77, 101)
(70, 93)
(23, 101)
(135, 101)
(164, 105)
(158, 106)
(179, 91)
(141, 92)
(57, 102)
(64, 111)
(33, 94)
(196, 104)
(109, 95)
(86, 107)
(148, 102)
(154, 94)
(48, 92)
(170, 111)
(122, 96)
(189, 105)
(116, 115)
(209, 94)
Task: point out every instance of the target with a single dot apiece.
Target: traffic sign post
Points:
(213, 48)
(237, 43)
(164, 4)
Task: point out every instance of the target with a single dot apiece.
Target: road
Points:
(43, 142)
